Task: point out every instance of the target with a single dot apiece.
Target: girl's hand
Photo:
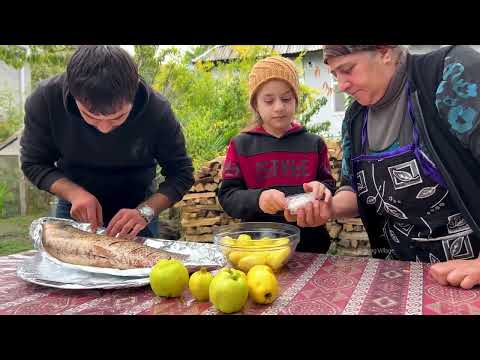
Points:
(272, 201)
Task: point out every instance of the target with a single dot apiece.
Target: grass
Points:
(14, 237)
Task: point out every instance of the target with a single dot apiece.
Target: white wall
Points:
(316, 75)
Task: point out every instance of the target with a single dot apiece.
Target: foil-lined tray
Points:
(39, 270)
(44, 269)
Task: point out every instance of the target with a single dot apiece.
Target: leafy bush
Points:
(211, 100)
(5, 196)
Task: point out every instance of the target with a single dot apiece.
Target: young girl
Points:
(276, 158)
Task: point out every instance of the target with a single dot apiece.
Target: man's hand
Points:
(86, 208)
(463, 273)
(127, 223)
(272, 201)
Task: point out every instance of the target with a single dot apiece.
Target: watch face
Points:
(147, 210)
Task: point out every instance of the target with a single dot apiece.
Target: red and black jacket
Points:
(257, 161)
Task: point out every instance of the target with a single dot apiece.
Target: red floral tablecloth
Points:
(310, 284)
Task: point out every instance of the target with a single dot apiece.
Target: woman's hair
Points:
(399, 52)
(339, 50)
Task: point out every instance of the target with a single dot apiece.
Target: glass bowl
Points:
(257, 243)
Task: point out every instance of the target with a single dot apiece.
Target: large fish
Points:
(74, 246)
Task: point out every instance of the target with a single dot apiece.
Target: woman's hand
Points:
(462, 273)
(315, 213)
(320, 191)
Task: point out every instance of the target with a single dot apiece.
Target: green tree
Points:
(17, 55)
(211, 100)
(13, 55)
(149, 59)
(5, 196)
(196, 51)
(11, 115)
(45, 60)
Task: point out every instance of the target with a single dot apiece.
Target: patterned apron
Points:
(412, 202)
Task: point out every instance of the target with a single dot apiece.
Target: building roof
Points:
(227, 52)
(11, 146)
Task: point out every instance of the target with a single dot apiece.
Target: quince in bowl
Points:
(257, 243)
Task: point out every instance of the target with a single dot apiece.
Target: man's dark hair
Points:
(102, 78)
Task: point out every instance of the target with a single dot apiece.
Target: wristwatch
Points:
(146, 212)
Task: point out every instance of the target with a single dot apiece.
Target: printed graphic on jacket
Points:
(263, 161)
(274, 169)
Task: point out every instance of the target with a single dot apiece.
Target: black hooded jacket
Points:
(118, 167)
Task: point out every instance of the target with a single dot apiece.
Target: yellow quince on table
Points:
(262, 284)
(199, 284)
(168, 278)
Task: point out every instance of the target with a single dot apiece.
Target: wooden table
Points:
(310, 284)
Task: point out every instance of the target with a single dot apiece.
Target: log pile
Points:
(200, 211)
(349, 236)
(335, 155)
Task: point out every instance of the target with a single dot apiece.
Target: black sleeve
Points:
(237, 201)
(38, 151)
(171, 155)
(457, 97)
(233, 195)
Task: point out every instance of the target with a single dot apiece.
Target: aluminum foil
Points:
(39, 270)
(46, 268)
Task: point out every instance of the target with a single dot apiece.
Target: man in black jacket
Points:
(411, 145)
(93, 137)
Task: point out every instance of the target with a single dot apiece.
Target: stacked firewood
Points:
(200, 211)
(335, 155)
(350, 238)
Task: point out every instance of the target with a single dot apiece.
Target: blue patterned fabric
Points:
(457, 98)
